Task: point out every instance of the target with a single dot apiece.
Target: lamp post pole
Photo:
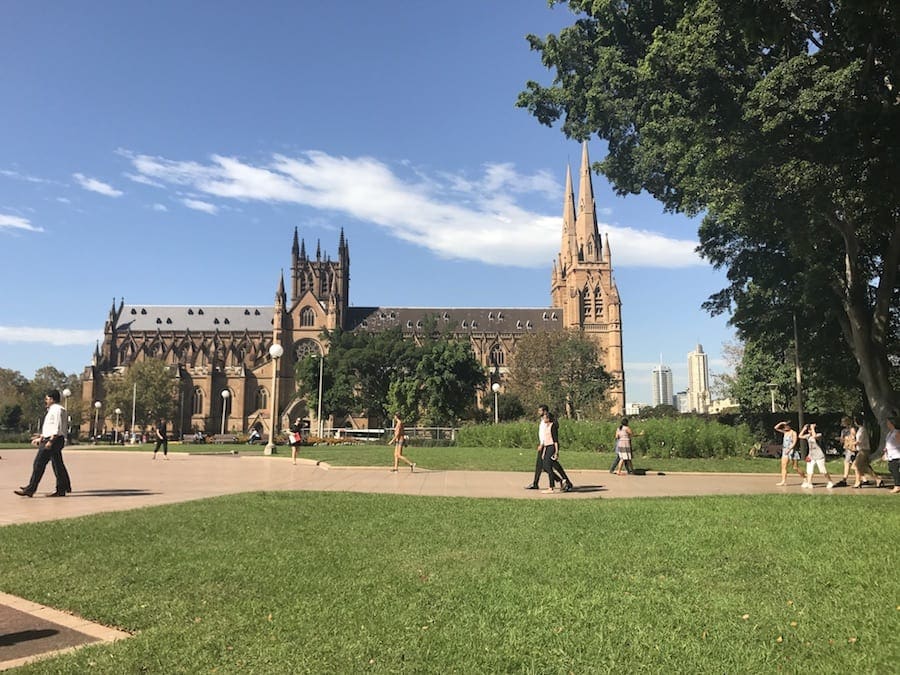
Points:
(66, 394)
(97, 405)
(496, 389)
(225, 395)
(275, 351)
(319, 412)
(772, 387)
(116, 436)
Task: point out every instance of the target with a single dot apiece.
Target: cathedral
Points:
(220, 355)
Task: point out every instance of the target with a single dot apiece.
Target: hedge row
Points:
(687, 438)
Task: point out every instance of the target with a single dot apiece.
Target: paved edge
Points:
(102, 634)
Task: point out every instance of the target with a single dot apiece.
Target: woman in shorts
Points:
(399, 442)
(848, 445)
(816, 457)
(789, 451)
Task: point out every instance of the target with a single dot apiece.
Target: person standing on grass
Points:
(862, 468)
(892, 452)
(816, 456)
(848, 444)
(50, 444)
(162, 438)
(399, 442)
(789, 452)
(295, 436)
(548, 443)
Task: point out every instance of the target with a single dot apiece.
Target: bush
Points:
(671, 437)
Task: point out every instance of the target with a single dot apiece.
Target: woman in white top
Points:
(892, 452)
(816, 457)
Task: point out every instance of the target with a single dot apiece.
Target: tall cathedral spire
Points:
(586, 228)
(569, 248)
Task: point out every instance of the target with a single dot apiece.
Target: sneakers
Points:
(782, 483)
(412, 467)
(806, 484)
(569, 487)
(548, 491)
(841, 483)
(830, 485)
(531, 487)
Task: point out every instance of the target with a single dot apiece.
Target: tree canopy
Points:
(779, 121)
(152, 387)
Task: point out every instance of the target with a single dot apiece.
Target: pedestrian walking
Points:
(848, 445)
(295, 437)
(892, 452)
(816, 456)
(162, 438)
(789, 452)
(624, 434)
(49, 444)
(862, 467)
(399, 440)
(548, 444)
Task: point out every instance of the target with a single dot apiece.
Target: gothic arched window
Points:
(197, 402)
(497, 357)
(307, 317)
(305, 348)
(262, 398)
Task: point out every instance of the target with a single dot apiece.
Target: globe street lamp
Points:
(225, 395)
(66, 394)
(275, 351)
(496, 389)
(118, 412)
(772, 387)
(321, 358)
(97, 405)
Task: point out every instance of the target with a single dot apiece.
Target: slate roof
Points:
(459, 319)
(196, 318)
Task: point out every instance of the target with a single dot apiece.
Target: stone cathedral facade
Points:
(211, 349)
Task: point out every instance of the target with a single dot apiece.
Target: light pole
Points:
(97, 405)
(772, 387)
(496, 389)
(118, 412)
(321, 358)
(66, 394)
(275, 351)
(225, 395)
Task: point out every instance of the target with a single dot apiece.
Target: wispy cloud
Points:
(198, 205)
(18, 175)
(94, 185)
(159, 207)
(143, 180)
(8, 222)
(57, 337)
(455, 216)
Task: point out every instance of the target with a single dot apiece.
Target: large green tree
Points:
(562, 370)
(152, 387)
(780, 120)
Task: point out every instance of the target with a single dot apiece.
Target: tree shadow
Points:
(10, 639)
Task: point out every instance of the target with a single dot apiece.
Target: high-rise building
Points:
(681, 402)
(698, 381)
(662, 386)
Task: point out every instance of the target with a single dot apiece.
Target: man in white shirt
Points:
(50, 444)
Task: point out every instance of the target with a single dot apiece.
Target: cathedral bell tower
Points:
(582, 282)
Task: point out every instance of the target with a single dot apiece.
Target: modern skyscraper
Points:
(662, 386)
(698, 381)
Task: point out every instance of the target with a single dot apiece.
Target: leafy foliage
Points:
(154, 396)
(562, 370)
(780, 121)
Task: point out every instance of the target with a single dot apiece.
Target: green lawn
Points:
(344, 583)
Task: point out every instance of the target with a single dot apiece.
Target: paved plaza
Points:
(109, 480)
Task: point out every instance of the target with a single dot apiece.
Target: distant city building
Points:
(634, 409)
(723, 405)
(698, 381)
(681, 402)
(662, 386)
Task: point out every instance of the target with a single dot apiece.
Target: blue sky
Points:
(164, 152)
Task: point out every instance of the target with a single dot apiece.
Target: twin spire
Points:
(580, 236)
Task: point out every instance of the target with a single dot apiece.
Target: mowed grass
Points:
(347, 583)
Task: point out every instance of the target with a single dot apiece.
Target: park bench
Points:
(222, 438)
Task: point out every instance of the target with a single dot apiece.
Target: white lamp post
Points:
(772, 387)
(118, 412)
(225, 395)
(496, 389)
(97, 405)
(321, 358)
(275, 351)
(66, 394)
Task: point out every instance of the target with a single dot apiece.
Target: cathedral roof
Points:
(458, 319)
(196, 318)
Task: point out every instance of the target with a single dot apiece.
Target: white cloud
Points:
(94, 185)
(18, 175)
(198, 205)
(55, 336)
(138, 178)
(17, 223)
(159, 207)
(455, 216)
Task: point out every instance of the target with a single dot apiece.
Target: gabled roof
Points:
(456, 319)
(195, 318)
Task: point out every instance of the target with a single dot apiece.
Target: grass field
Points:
(345, 583)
